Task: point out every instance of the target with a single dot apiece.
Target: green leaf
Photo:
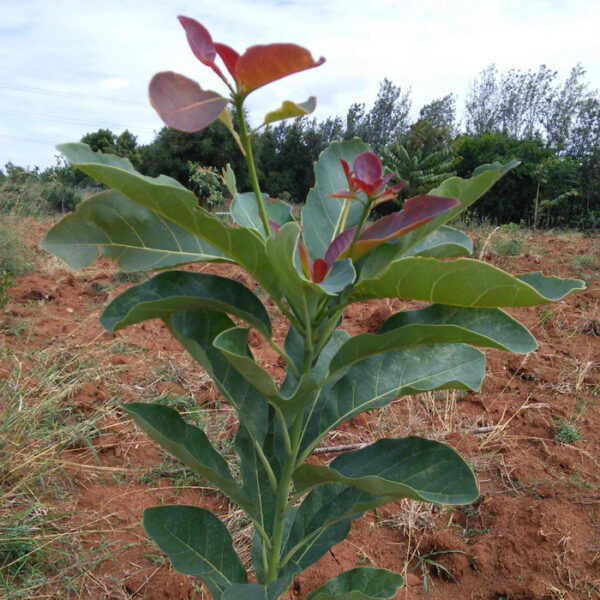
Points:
(438, 324)
(110, 224)
(494, 326)
(196, 331)
(187, 443)
(255, 591)
(551, 288)
(197, 543)
(321, 215)
(182, 104)
(319, 523)
(229, 177)
(294, 346)
(289, 110)
(244, 211)
(410, 467)
(341, 275)
(376, 381)
(182, 291)
(462, 282)
(256, 481)
(445, 242)
(170, 200)
(362, 583)
(226, 117)
(467, 191)
(302, 294)
(233, 343)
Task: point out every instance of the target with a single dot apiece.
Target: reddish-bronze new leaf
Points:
(182, 103)
(416, 212)
(260, 65)
(201, 43)
(229, 57)
(367, 178)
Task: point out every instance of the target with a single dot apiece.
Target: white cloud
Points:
(111, 50)
(114, 83)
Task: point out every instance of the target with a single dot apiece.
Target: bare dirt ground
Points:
(76, 475)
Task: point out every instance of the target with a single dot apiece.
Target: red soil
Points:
(533, 534)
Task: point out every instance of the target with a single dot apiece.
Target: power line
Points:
(19, 138)
(75, 121)
(49, 92)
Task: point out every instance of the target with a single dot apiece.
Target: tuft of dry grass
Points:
(39, 545)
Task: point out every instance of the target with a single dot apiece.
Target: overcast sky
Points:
(69, 67)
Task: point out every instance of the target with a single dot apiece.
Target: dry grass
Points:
(39, 545)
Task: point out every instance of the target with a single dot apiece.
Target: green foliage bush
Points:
(565, 431)
(63, 199)
(510, 247)
(6, 281)
(15, 257)
(206, 183)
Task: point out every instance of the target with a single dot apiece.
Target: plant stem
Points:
(363, 218)
(344, 216)
(245, 137)
(282, 507)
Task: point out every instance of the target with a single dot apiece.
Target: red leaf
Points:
(229, 57)
(305, 260)
(320, 269)
(273, 225)
(343, 194)
(416, 212)
(200, 40)
(367, 168)
(263, 64)
(182, 103)
(339, 245)
(201, 43)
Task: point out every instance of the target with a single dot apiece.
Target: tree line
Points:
(551, 126)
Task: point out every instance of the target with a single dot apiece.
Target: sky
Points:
(69, 67)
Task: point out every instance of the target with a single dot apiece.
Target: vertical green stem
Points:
(363, 218)
(246, 142)
(282, 508)
(344, 217)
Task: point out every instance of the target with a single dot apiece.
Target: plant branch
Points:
(286, 436)
(245, 137)
(363, 218)
(267, 465)
(283, 507)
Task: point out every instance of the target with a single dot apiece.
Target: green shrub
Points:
(207, 185)
(15, 257)
(24, 197)
(6, 281)
(510, 247)
(565, 432)
(63, 199)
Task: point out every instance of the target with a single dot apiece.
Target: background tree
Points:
(564, 106)
(171, 151)
(513, 199)
(385, 122)
(482, 106)
(103, 139)
(441, 113)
